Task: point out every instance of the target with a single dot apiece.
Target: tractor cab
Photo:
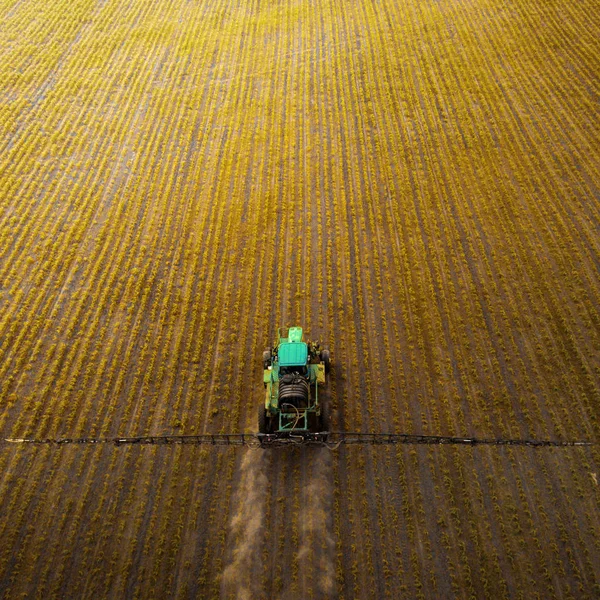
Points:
(292, 354)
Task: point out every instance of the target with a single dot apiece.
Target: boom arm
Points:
(330, 440)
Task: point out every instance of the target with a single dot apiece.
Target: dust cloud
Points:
(317, 543)
(241, 578)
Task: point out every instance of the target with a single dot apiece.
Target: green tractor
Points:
(293, 371)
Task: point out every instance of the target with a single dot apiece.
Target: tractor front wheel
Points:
(262, 420)
(266, 358)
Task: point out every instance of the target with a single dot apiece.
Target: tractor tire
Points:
(266, 358)
(326, 359)
(262, 420)
(325, 417)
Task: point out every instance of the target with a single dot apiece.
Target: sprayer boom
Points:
(323, 438)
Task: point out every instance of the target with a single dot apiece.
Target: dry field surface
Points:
(416, 182)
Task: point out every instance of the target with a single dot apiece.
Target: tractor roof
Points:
(292, 354)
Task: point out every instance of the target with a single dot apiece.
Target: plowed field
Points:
(415, 182)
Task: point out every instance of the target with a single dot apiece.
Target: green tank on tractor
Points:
(293, 371)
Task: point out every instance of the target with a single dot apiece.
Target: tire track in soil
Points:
(314, 553)
(317, 542)
(242, 576)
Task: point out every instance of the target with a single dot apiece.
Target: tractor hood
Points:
(292, 354)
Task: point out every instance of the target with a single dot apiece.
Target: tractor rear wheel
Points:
(262, 420)
(325, 358)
